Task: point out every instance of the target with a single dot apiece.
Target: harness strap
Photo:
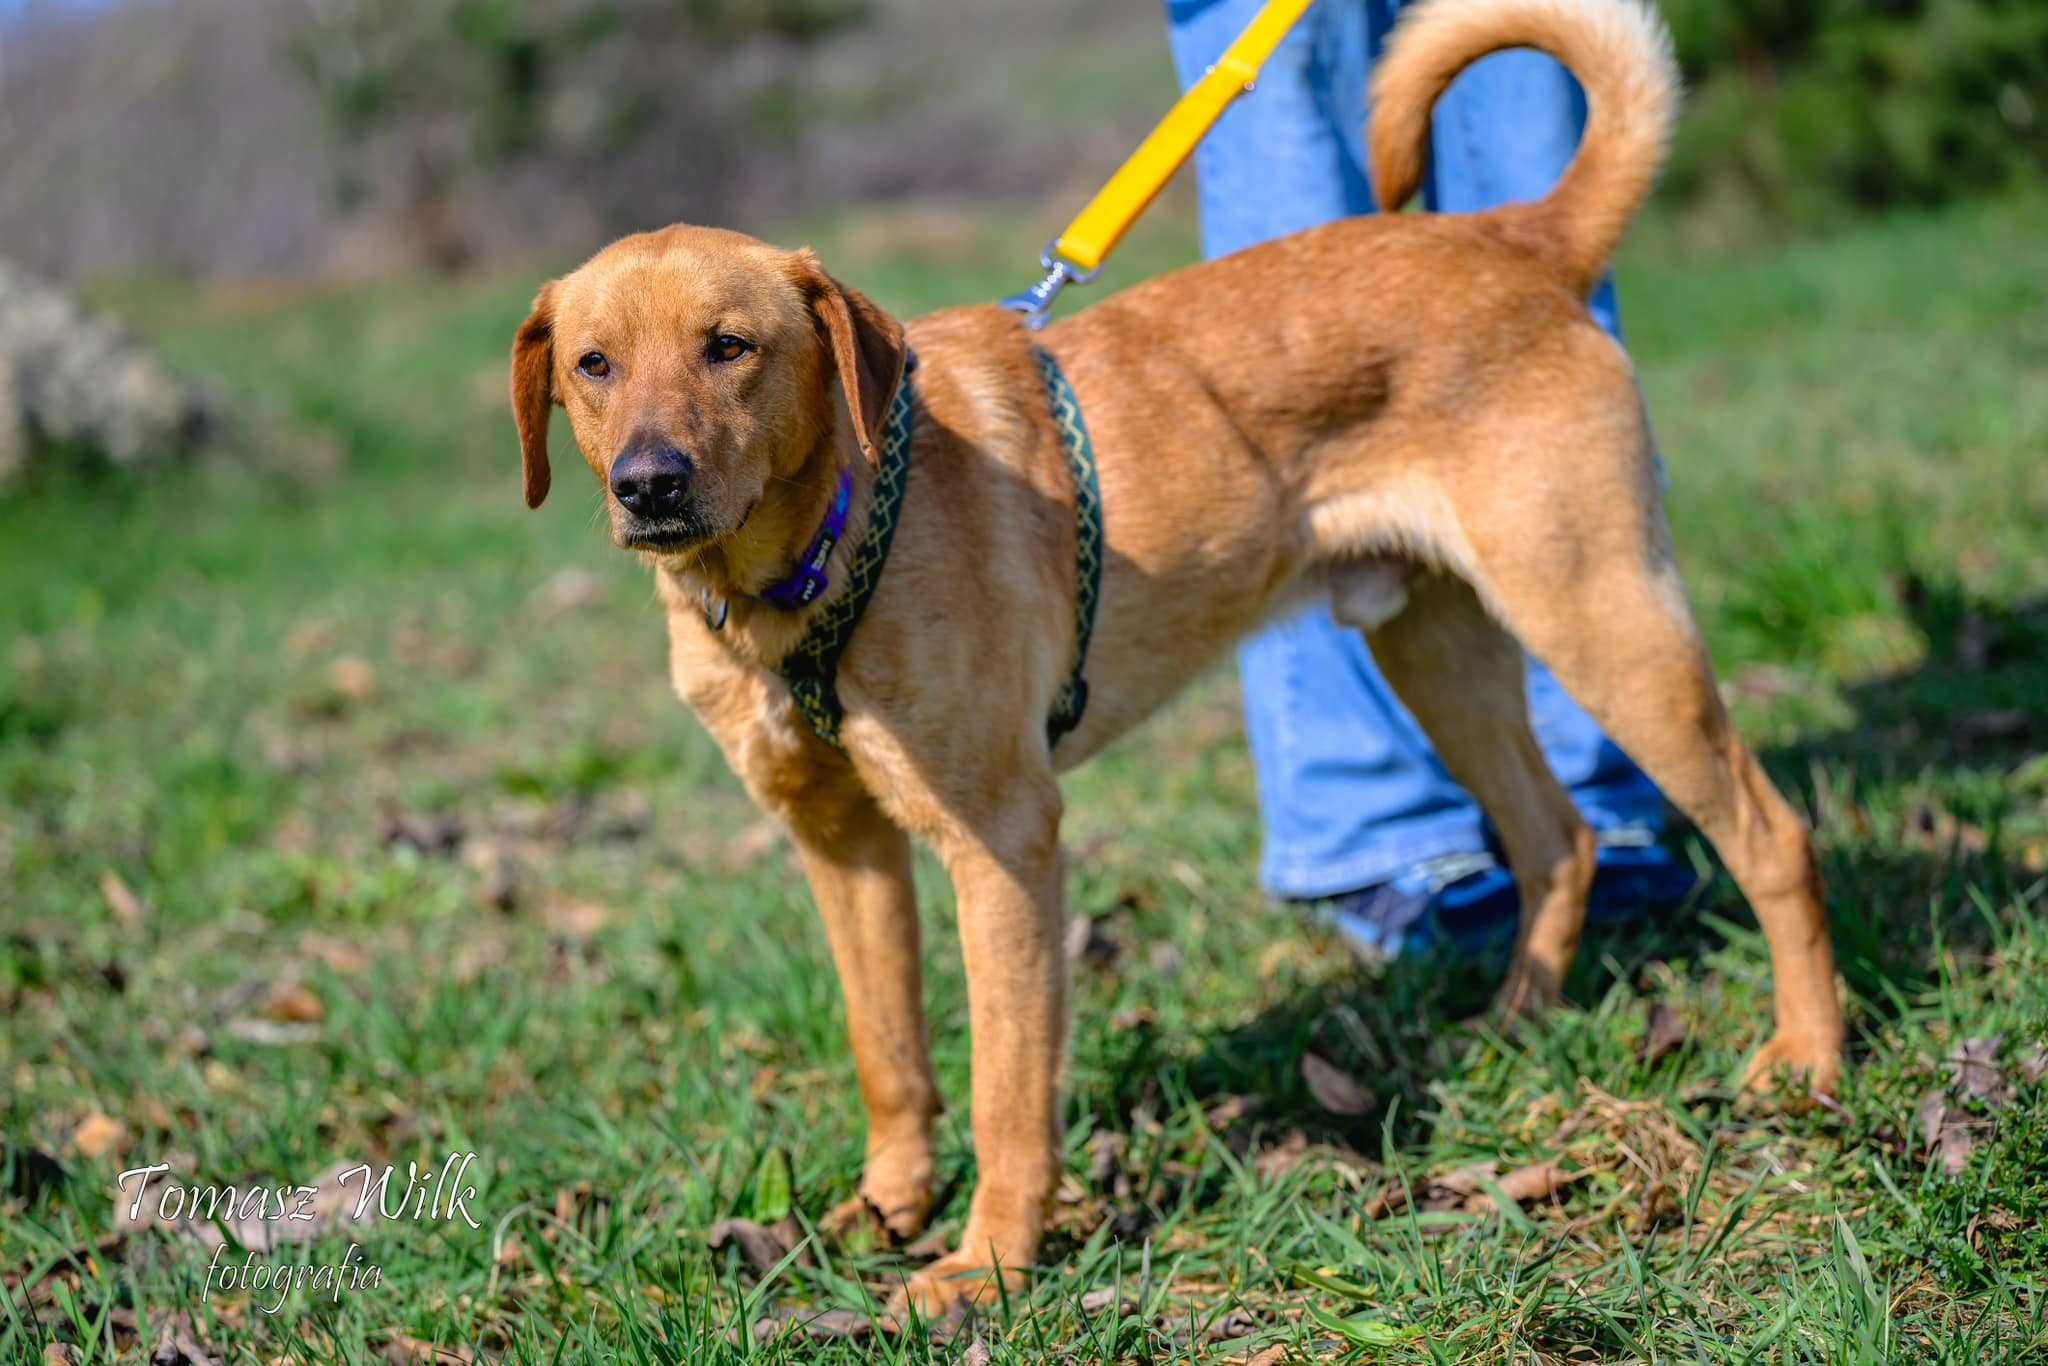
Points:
(1072, 701)
(812, 668)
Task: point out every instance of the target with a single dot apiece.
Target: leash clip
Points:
(1036, 302)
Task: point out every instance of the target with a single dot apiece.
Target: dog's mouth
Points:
(663, 543)
(665, 538)
(678, 535)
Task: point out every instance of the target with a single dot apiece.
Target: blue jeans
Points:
(1350, 790)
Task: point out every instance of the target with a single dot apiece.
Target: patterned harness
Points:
(812, 668)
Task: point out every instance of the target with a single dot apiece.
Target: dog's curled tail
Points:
(1621, 53)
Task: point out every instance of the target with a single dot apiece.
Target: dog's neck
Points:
(725, 580)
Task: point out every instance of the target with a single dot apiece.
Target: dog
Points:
(1411, 414)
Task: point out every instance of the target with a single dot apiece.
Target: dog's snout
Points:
(652, 482)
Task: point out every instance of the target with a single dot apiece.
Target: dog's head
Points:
(698, 367)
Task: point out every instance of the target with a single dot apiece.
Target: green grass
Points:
(648, 1038)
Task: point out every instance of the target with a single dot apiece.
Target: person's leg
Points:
(1349, 789)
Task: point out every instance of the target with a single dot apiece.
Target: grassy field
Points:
(345, 817)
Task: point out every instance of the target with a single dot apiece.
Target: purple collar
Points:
(807, 583)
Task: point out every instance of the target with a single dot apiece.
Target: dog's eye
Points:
(594, 364)
(726, 347)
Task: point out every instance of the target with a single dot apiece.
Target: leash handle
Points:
(1076, 255)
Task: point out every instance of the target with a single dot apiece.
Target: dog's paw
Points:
(1813, 1064)
(862, 1223)
(1529, 991)
(954, 1284)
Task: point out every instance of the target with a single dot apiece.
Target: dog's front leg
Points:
(1006, 878)
(858, 864)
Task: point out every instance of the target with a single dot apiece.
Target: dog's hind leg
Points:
(1581, 572)
(1461, 676)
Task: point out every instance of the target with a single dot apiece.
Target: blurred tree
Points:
(1808, 108)
(426, 96)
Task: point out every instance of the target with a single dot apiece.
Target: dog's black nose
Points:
(651, 482)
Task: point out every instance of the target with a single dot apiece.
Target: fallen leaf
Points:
(497, 885)
(1947, 1131)
(128, 908)
(958, 1319)
(1283, 1157)
(271, 1033)
(1105, 1158)
(428, 833)
(837, 1324)
(1086, 941)
(576, 918)
(763, 1246)
(1938, 831)
(1437, 1193)
(1228, 1111)
(977, 1354)
(61, 1354)
(353, 677)
(338, 954)
(1665, 1033)
(1765, 682)
(177, 1344)
(1974, 1068)
(99, 1135)
(291, 1003)
(1109, 1297)
(476, 957)
(1271, 1356)
(1524, 1185)
(402, 1349)
(2034, 1064)
(1336, 1090)
(1236, 1324)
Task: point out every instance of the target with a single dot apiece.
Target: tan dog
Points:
(1415, 415)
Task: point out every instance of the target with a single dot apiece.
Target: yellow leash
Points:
(1076, 256)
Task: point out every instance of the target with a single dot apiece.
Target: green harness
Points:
(812, 668)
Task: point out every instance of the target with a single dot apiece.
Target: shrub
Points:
(1806, 108)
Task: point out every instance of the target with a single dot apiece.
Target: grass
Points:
(430, 860)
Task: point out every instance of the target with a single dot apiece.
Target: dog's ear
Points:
(533, 391)
(866, 346)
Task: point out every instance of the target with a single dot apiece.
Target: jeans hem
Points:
(1297, 877)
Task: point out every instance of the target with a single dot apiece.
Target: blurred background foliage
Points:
(352, 138)
(1803, 110)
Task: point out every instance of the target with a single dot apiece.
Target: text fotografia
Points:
(278, 1279)
(427, 1193)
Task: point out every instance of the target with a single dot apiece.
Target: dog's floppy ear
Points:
(866, 345)
(533, 391)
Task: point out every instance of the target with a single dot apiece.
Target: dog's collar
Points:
(808, 581)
